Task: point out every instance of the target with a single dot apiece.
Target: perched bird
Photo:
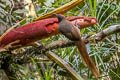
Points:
(73, 33)
(67, 29)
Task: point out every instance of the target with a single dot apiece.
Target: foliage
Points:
(10, 12)
(105, 53)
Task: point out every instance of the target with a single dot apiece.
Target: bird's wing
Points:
(76, 33)
(70, 31)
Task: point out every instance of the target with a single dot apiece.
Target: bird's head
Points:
(60, 17)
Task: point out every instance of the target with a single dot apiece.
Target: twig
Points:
(106, 32)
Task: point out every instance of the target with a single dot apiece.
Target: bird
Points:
(73, 34)
(67, 29)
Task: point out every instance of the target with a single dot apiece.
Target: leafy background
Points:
(105, 54)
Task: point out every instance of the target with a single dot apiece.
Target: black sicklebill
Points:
(73, 33)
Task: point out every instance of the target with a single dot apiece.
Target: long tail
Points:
(86, 58)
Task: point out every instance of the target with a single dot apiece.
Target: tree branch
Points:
(106, 32)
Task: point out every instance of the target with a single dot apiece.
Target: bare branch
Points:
(106, 32)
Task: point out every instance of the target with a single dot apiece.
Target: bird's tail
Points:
(86, 58)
